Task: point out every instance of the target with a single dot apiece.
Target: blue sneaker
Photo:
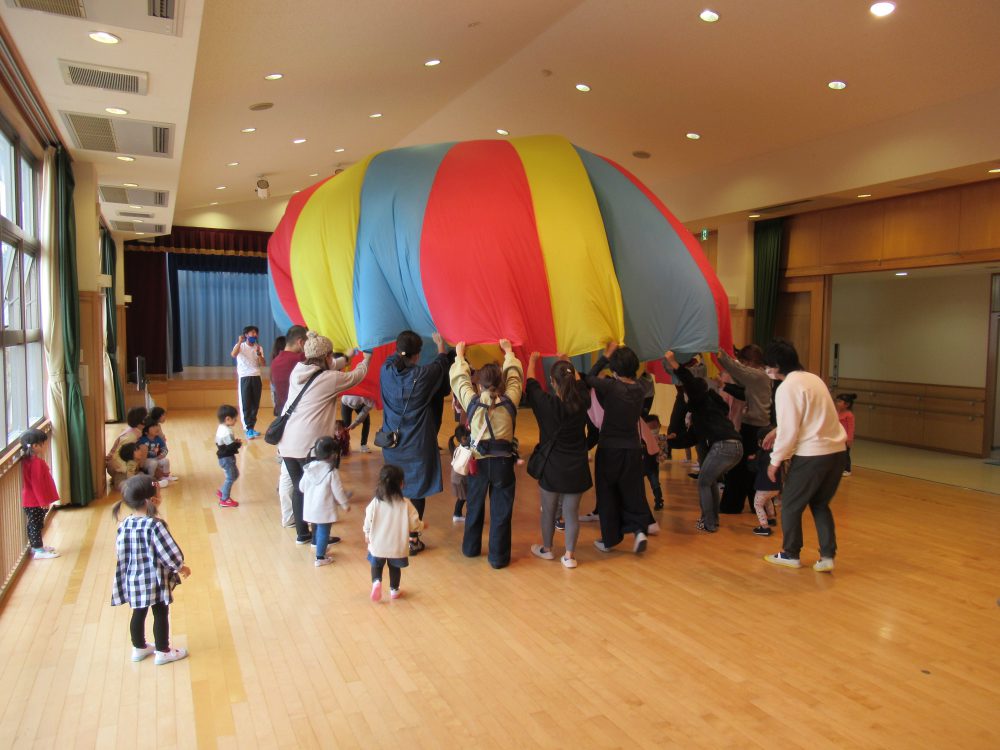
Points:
(251, 434)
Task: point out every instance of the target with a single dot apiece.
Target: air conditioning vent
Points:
(135, 196)
(135, 215)
(104, 77)
(123, 226)
(138, 226)
(92, 133)
(160, 198)
(162, 9)
(110, 194)
(161, 140)
(71, 8)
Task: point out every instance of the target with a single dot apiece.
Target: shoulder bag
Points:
(386, 438)
(277, 428)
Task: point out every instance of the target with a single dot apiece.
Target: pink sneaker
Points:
(377, 591)
(230, 503)
(395, 593)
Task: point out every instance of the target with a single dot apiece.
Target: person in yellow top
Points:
(490, 398)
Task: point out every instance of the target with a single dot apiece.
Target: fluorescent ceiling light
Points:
(104, 37)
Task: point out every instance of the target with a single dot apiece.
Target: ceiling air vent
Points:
(123, 226)
(104, 77)
(161, 140)
(92, 133)
(71, 8)
(111, 194)
(162, 9)
(135, 196)
(160, 198)
(135, 215)
(138, 226)
(120, 135)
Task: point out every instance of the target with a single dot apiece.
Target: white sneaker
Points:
(174, 654)
(163, 483)
(458, 519)
(639, 546)
(599, 544)
(568, 562)
(653, 529)
(846, 474)
(172, 478)
(539, 551)
(780, 558)
(44, 554)
(590, 517)
(364, 449)
(321, 561)
(138, 654)
(823, 565)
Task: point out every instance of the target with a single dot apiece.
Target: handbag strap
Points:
(406, 404)
(291, 408)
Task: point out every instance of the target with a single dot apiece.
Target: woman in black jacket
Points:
(562, 427)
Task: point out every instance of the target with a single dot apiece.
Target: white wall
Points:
(928, 327)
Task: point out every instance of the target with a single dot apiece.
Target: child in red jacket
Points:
(38, 491)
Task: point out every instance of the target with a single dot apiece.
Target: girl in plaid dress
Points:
(150, 564)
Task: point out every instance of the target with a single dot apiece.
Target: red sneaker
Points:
(230, 503)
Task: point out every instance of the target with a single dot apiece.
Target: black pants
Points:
(738, 493)
(347, 416)
(295, 466)
(395, 574)
(621, 497)
(250, 389)
(848, 466)
(35, 518)
(651, 470)
(161, 626)
(812, 482)
(494, 476)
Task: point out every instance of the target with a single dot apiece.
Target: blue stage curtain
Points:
(215, 306)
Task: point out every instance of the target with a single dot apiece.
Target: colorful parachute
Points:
(531, 238)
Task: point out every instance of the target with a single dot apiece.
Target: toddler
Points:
(651, 462)
(159, 415)
(227, 445)
(150, 565)
(131, 434)
(38, 490)
(765, 490)
(343, 438)
(845, 413)
(157, 465)
(322, 491)
(126, 464)
(389, 520)
(459, 482)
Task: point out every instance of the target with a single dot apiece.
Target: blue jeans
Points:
(321, 535)
(495, 477)
(722, 456)
(228, 464)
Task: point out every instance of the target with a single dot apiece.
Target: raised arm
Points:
(460, 378)
(513, 373)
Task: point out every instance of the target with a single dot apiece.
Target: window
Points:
(22, 357)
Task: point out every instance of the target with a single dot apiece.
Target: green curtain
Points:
(81, 479)
(767, 236)
(109, 264)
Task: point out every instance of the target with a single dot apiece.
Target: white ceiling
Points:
(921, 108)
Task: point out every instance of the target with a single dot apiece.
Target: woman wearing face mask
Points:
(710, 424)
(315, 414)
(249, 356)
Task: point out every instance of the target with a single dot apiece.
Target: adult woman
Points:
(618, 478)
(711, 426)
(562, 428)
(809, 433)
(407, 391)
(316, 413)
(491, 402)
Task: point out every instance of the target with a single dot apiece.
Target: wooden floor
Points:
(697, 644)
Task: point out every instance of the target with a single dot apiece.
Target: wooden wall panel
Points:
(922, 224)
(92, 357)
(803, 235)
(852, 234)
(979, 227)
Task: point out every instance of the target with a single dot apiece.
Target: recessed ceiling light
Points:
(233, 164)
(754, 216)
(693, 136)
(214, 203)
(582, 87)
(140, 232)
(221, 187)
(130, 184)
(338, 150)
(882, 9)
(995, 170)
(864, 195)
(299, 140)
(902, 273)
(260, 106)
(249, 130)
(314, 174)
(837, 85)
(501, 131)
(375, 115)
(135, 206)
(116, 111)
(433, 62)
(708, 16)
(296, 191)
(274, 76)
(104, 37)
(125, 158)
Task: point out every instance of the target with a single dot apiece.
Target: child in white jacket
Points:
(322, 491)
(389, 520)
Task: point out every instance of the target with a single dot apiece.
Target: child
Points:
(389, 520)
(150, 564)
(342, 437)
(459, 482)
(38, 491)
(362, 407)
(227, 445)
(322, 491)
(131, 434)
(159, 415)
(651, 462)
(125, 464)
(157, 465)
(249, 356)
(845, 413)
(766, 490)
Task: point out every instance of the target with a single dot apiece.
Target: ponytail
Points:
(568, 388)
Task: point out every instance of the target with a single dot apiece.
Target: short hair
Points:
(226, 411)
(295, 333)
(753, 354)
(781, 354)
(157, 413)
(247, 330)
(127, 452)
(149, 422)
(624, 362)
(136, 416)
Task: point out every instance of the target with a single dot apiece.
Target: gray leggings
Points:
(569, 505)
